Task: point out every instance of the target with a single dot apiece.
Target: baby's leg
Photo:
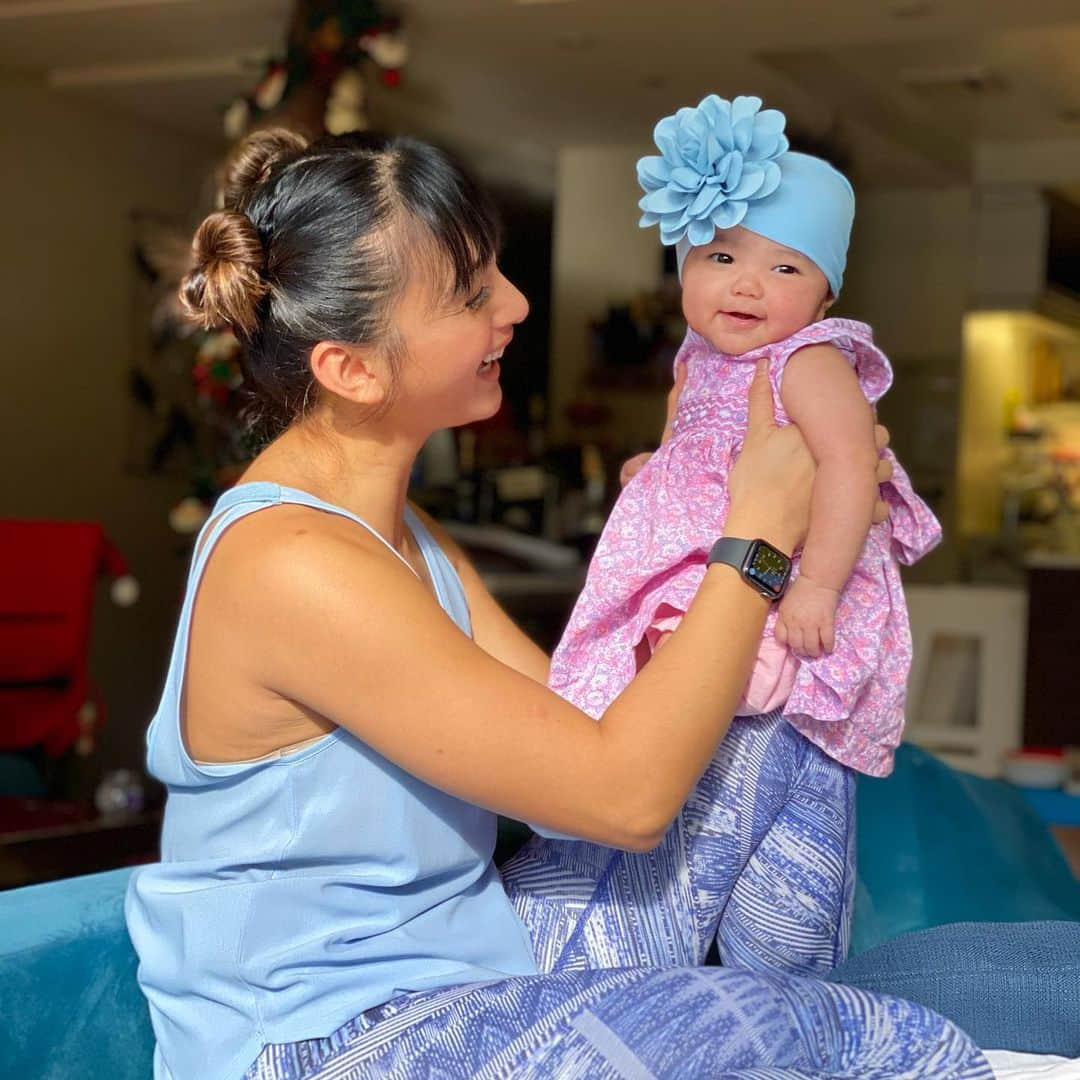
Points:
(790, 909)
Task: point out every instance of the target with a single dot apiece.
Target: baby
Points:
(761, 237)
(764, 850)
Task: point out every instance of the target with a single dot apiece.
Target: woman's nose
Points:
(513, 306)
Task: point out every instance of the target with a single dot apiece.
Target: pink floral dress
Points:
(651, 558)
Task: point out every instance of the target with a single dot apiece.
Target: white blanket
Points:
(1008, 1065)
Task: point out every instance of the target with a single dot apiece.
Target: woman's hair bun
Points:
(252, 160)
(226, 283)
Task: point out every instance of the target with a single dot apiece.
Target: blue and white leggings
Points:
(761, 861)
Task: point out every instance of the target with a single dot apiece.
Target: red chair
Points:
(48, 572)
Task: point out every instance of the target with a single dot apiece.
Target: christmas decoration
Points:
(319, 84)
(332, 45)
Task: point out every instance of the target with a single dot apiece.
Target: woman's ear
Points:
(352, 372)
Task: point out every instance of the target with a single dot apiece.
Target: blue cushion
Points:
(939, 846)
(1010, 986)
(72, 1009)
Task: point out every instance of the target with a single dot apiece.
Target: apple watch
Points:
(764, 568)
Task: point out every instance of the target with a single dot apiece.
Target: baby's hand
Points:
(632, 467)
(805, 620)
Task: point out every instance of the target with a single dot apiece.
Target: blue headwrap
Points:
(727, 163)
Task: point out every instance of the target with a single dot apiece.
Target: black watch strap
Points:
(730, 550)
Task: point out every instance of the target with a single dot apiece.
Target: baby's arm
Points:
(821, 393)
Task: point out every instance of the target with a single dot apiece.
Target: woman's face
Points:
(450, 371)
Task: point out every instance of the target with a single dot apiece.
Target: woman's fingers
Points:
(884, 472)
(673, 400)
(761, 418)
(631, 467)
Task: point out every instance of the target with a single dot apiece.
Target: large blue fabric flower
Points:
(715, 159)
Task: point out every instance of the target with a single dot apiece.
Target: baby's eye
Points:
(476, 302)
(784, 268)
(721, 257)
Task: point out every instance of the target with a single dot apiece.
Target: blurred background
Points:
(958, 122)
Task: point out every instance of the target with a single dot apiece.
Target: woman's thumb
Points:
(760, 413)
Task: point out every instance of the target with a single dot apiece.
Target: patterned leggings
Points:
(760, 860)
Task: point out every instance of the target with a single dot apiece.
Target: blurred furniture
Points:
(1060, 810)
(965, 692)
(1052, 684)
(48, 570)
(1014, 986)
(535, 580)
(935, 846)
(46, 839)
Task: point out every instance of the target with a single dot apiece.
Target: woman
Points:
(347, 706)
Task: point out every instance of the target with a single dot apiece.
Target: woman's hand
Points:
(634, 465)
(772, 479)
(884, 472)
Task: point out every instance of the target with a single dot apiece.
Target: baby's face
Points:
(742, 291)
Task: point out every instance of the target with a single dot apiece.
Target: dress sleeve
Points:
(854, 339)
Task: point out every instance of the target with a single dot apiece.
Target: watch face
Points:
(768, 568)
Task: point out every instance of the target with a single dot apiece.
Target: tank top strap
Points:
(164, 743)
(448, 587)
(244, 499)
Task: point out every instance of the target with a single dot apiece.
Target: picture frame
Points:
(966, 686)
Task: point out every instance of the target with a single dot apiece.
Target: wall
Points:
(909, 276)
(72, 175)
(599, 257)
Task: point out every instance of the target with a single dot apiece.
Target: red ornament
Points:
(390, 77)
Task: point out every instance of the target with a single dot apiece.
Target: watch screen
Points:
(768, 568)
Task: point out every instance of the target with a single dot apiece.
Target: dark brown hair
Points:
(316, 243)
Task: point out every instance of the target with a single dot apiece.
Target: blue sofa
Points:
(935, 847)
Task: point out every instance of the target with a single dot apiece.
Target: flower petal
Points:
(714, 158)
(703, 203)
(700, 232)
(668, 237)
(749, 183)
(666, 137)
(665, 200)
(653, 172)
(735, 171)
(686, 179)
(728, 215)
(718, 112)
(772, 175)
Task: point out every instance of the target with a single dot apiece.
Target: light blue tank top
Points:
(296, 891)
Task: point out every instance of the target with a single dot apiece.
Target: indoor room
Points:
(269, 255)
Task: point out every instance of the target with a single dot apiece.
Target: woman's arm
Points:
(329, 621)
(821, 393)
(493, 630)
